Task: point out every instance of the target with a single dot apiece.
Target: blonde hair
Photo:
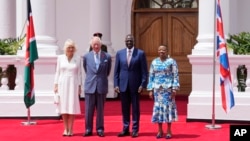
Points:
(69, 43)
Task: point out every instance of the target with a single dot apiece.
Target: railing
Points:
(10, 73)
(12, 87)
(13, 68)
(242, 64)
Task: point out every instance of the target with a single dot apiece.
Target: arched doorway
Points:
(170, 22)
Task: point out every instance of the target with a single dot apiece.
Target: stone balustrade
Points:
(235, 62)
(206, 78)
(44, 81)
(6, 60)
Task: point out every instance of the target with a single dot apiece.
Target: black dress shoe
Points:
(124, 133)
(100, 133)
(87, 134)
(134, 134)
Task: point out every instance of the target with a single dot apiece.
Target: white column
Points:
(7, 18)
(100, 21)
(44, 12)
(206, 28)
(200, 105)
(21, 17)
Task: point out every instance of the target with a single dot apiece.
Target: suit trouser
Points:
(92, 102)
(127, 99)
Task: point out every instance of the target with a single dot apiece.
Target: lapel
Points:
(103, 58)
(125, 53)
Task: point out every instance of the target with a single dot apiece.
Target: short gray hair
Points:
(95, 38)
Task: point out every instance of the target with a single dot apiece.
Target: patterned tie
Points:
(97, 60)
(129, 57)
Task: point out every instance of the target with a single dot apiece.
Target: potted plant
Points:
(9, 46)
(239, 43)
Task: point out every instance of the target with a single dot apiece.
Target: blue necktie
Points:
(97, 60)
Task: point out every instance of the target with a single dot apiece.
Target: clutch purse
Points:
(56, 98)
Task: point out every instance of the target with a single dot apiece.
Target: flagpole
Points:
(28, 122)
(213, 126)
(25, 23)
(30, 56)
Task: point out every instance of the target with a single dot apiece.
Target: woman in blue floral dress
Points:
(162, 85)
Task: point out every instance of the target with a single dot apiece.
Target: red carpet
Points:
(51, 129)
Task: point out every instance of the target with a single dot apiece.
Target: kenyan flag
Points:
(30, 56)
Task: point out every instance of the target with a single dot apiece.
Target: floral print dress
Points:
(163, 77)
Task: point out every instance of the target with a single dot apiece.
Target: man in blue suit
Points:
(97, 66)
(130, 77)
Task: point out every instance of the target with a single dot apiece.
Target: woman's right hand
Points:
(56, 88)
(151, 94)
(117, 90)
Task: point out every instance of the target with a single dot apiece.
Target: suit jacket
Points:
(96, 79)
(134, 75)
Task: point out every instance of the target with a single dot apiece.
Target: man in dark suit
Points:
(97, 66)
(103, 47)
(130, 77)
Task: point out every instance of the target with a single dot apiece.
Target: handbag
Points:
(56, 98)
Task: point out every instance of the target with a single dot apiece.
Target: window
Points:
(168, 3)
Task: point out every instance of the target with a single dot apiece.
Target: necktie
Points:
(129, 57)
(97, 60)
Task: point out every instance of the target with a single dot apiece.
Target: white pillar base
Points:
(200, 107)
(200, 99)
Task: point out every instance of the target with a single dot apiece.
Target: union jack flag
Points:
(227, 95)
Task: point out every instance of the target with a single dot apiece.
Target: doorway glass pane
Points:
(168, 3)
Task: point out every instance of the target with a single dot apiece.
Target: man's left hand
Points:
(140, 89)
